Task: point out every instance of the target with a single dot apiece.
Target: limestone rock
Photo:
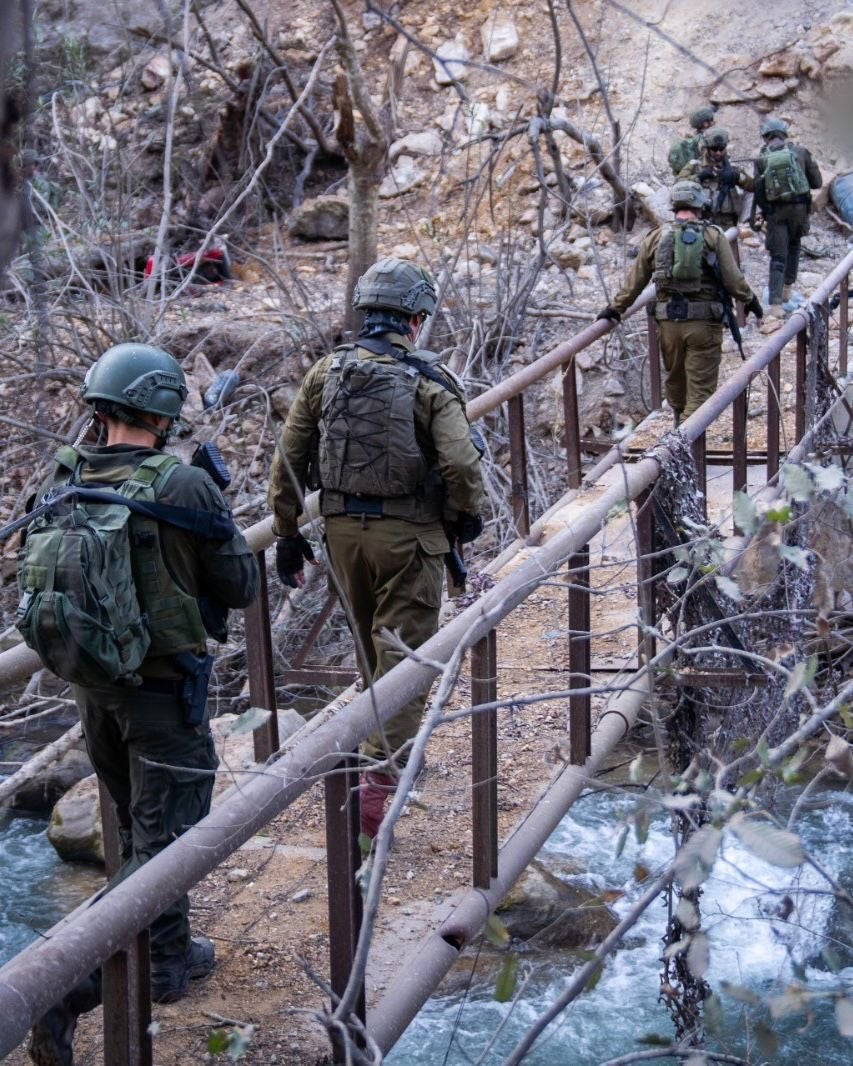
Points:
(402, 177)
(44, 789)
(772, 88)
(156, 72)
(500, 39)
(455, 56)
(321, 218)
(734, 88)
(75, 825)
(427, 142)
(784, 64)
(654, 203)
(573, 255)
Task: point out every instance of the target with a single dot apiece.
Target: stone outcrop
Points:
(75, 824)
(500, 39)
(321, 218)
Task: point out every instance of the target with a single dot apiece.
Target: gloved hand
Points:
(756, 224)
(755, 308)
(290, 556)
(706, 174)
(467, 527)
(728, 176)
(609, 314)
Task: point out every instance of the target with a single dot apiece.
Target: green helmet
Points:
(139, 377)
(715, 137)
(702, 116)
(774, 126)
(396, 285)
(689, 194)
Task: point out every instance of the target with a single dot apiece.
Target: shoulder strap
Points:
(382, 346)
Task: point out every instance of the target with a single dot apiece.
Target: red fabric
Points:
(374, 790)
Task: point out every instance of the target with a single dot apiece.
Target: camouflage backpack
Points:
(681, 152)
(79, 609)
(784, 177)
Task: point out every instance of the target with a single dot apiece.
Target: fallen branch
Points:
(39, 762)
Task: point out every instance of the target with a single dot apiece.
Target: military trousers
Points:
(787, 224)
(691, 351)
(145, 756)
(390, 572)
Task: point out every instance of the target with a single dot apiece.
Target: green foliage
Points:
(507, 979)
(234, 1042)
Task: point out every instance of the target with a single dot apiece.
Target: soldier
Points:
(689, 260)
(138, 733)
(724, 183)
(398, 475)
(785, 176)
(689, 147)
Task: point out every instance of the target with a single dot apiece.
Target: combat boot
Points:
(52, 1037)
(374, 790)
(787, 293)
(170, 976)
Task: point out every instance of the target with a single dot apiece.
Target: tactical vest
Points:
(368, 455)
(785, 180)
(679, 258)
(173, 617)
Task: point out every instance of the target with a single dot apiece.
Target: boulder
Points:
(783, 64)
(450, 61)
(403, 176)
(499, 37)
(75, 824)
(427, 142)
(321, 218)
(654, 203)
(42, 791)
(156, 72)
(773, 88)
(105, 28)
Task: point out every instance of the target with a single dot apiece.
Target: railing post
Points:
(343, 859)
(484, 761)
(580, 725)
(773, 411)
(843, 321)
(654, 357)
(572, 424)
(518, 464)
(698, 449)
(126, 975)
(800, 386)
(739, 446)
(646, 597)
(259, 665)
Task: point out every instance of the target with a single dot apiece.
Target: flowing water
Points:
(749, 948)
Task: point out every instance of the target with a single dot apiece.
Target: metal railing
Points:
(32, 981)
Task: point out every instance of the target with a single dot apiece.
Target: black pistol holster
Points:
(196, 670)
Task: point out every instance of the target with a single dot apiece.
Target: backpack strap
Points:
(382, 346)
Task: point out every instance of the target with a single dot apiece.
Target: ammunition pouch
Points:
(679, 309)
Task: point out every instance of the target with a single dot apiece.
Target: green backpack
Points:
(681, 152)
(79, 609)
(784, 177)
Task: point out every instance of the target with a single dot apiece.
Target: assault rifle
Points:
(456, 568)
(729, 316)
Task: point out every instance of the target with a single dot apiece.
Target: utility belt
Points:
(190, 690)
(679, 309)
(412, 508)
(799, 198)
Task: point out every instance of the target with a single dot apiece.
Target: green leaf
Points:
(740, 745)
(507, 978)
(781, 513)
(792, 554)
(767, 841)
(698, 955)
(496, 932)
(844, 1015)
(743, 510)
(677, 575)
(696, 858)
(740, 993)
(635, 770)
(217, 1042)
(594, 978)
(762, 750)
(687, 914)
(728, 587)
(641, 826)
(827, 478)
(798, 485)
(791, 767)
(750, 778)
(250, 720)
(801, 676)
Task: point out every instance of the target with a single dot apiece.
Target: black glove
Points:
(610, 314)
(290, 556)
(706, 174)
(728, 177)
(755, 308)
(467, 527)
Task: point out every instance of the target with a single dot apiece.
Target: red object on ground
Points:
(374, 790)
(213, 267)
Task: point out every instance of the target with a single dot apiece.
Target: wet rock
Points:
(321, 218)
(75, 824)
(47, 786)
(500, 39)
(454, 55)
(427, 142)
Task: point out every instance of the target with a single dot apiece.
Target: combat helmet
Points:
(715, 137)
(774, 127)
(395, 285)
(702, 116)
(689, 194)
(138, 377)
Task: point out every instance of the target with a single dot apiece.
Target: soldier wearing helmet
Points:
(724, 182)
(688, 259)
(785, 176)
(379, 426)
(141, 733)
(690, 146)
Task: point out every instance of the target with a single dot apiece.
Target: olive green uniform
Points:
(726, 201)
(787, 223)
(691, 348)
(390, 567)
(130, 729)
